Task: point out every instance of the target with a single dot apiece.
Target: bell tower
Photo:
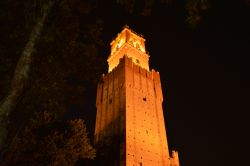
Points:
(130, 44)
(130, 128)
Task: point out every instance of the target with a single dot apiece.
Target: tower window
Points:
(137, 61)
(110, 100)
(140, 163)
(138, 46)
(144, 99)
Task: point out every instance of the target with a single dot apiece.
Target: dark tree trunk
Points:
(22, 71)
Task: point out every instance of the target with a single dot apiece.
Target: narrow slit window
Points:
(110, 100)
(137, 61)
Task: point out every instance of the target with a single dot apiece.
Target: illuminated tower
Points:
(130, 128)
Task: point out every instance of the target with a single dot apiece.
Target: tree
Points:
(47, 141)
(53, 52)
(22, 71)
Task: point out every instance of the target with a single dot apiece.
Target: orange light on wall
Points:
(129, 107)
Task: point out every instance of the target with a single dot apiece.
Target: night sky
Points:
(204, 78)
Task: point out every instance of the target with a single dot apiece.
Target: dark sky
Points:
(204, 77)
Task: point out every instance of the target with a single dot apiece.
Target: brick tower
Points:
(130, 128)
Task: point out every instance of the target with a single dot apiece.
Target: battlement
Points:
(174, 160)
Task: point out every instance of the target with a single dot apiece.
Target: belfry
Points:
(130, 127)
